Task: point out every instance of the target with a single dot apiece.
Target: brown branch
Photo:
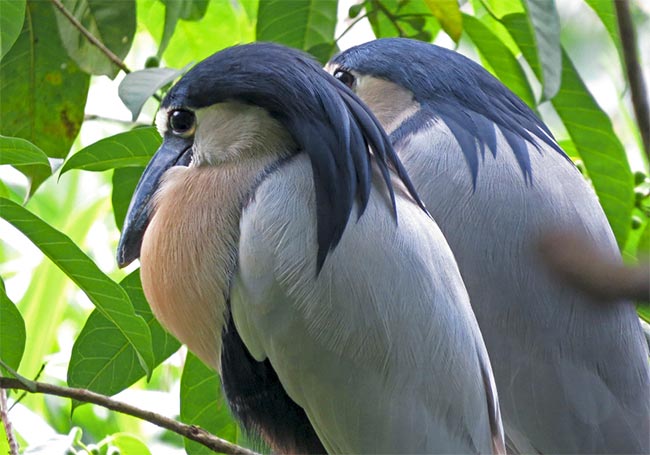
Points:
(189, 431)
(4, 417)
(581, 264)
(633, 70)
(90, 37)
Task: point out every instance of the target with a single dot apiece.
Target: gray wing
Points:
(572, 374)
(381, 349)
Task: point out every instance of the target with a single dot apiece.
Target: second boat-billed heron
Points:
(572, 373)
(280, 239)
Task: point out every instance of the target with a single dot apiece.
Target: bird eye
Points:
(182, 122)
(345, 77)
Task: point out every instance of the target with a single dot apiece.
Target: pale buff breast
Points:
(189, 252)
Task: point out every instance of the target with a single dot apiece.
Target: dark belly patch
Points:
(259, 402)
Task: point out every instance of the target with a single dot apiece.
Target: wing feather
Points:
(380, 348)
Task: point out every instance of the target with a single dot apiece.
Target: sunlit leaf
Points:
(137, 87)
(448, 14)
(643, 247)
(546, 27)
(43, 90)
(501, 8)
(12, 331)
(600, 149)
(502, 61)
(124, 182)
(111, 22)
(202, 403)
(132, 148)
(190, 10)
(27, 158)
(102, 358)
(109, 298)
(520, 29)
(12, 14)
(302, 24)
(17, 151)
(224, 24)
(52, 286)
(410, 19)
(605, 11)
(127, 444)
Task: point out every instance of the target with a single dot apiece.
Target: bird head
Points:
(266, 100)
(399, 78)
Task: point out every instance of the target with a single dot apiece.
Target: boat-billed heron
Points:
(281, 240)
(572, 373)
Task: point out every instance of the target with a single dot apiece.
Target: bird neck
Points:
(189, 250)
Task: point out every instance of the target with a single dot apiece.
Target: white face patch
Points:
(231, 131)
(162, 120)
(391, 103)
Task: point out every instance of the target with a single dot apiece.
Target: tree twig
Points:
(582, 264)
(4, 417)
(633, 70)
(90, 37)
(189, 431)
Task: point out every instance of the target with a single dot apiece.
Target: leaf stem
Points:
(391, 17)
(188, 431)
(90, 37)
(349, 27)
(634, 72)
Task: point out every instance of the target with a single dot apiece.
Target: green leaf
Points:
(546, 27)
(302, 24)
(17, 151)
(102, 358)
(600, 149)
(448, 14)
(643, 247)
(43, 91)
(131, 148)
(52, 288)
(12, 331)
(605, 11)
(27, 158)
(203, 404)
(501, 8)
(127, 444)
(172, 14)
(124, 182)
(391, 18)
(503, 62)
(12, 15)
(190, 10)
(111, 22)
(109, 298)
(224, 24)
(521, 31)
(137, 87)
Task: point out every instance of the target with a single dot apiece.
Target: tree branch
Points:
(633, 70)
(13, 445)
(90, 37)
(188, 431)
(582, 264)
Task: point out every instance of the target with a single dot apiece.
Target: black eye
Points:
(345, 77)
(182, 122)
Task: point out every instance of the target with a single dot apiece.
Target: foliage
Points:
(46, 67)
